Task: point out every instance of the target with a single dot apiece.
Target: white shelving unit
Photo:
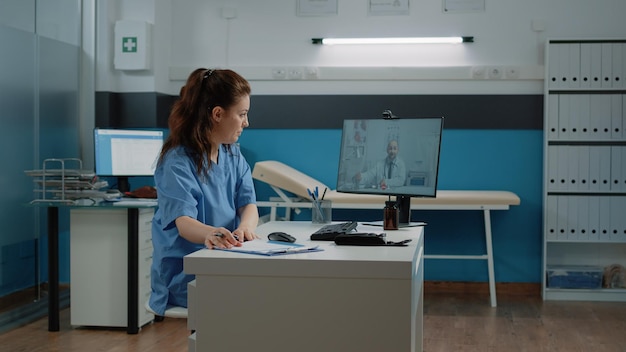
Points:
(584, 161)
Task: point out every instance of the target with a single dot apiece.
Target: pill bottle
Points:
(391, 216)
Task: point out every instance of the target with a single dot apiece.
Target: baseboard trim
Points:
(505, 288)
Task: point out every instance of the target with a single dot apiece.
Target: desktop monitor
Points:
(123, 153)
(413, 146)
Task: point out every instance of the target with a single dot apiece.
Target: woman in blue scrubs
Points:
(205, 191)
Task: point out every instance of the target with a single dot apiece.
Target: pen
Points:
(324, 193)
(220, 235)
(311, 194)
(293, 250)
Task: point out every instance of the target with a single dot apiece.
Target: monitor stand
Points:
(404, 214)
(122, 184)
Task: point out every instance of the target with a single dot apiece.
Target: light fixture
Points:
(397, 40)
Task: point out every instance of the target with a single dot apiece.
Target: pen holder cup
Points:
(321, 211)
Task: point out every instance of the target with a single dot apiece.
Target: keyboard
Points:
(329, 232)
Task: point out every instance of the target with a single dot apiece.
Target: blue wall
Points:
(470, 159)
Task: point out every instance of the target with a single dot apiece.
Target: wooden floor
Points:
(453, 321)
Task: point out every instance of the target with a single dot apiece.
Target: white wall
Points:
(268, 35)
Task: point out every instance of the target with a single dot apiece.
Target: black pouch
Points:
(366, 239)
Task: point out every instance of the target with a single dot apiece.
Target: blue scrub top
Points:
(181, 192)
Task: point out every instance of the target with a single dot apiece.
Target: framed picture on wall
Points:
(316, 7)
(388, 7)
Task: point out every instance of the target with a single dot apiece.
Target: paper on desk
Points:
(271, 248)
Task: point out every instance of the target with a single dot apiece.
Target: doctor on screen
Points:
(389, 172)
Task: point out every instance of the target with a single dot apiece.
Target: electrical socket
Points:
(295, 73)
(478, 72)
(311, 73)
(511, 72)
(279, 73)
(495, 72)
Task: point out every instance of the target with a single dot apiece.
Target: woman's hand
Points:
(245, 234)
(222, 238)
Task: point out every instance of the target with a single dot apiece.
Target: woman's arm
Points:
(249, 215)
(195, 231)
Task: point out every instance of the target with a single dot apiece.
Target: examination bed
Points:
(283, 178)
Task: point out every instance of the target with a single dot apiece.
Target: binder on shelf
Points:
(585, 121)
(564, 116)
(617, 228)
(617, 131)
(605, 168)
(622, 220)
(605, 219)
(572, 218)
(573, 74)
(551, 212)
(594, 168)
(553, 167)
(617, 169)
(594, 218)
(552, 127)
(585, 65)
(554, 66)
(562, 173)
(607, 65)
(596, 65)
(573, 179)
(583, 218)
(562, 218)
(574, 117)
(617, 61)
(563, 69)
(600, 116)
(583, 168)
(622, 164)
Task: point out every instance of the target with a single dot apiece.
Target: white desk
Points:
(283, 178)
(134, 228)
(345, 298)
(484, 201)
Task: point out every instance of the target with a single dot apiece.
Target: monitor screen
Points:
(398, 156)
(126, 152)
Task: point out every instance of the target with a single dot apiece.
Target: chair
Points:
(170, 312)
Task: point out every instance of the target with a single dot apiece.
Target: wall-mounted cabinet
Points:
(584, 167)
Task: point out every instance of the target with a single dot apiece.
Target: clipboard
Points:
(271, 248)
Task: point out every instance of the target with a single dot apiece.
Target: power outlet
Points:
(295, 73)
(495, 72)
(511, 72)
(279, 73)
(478, 72)
(311, 73)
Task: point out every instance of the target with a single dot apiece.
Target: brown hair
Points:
(190, 122)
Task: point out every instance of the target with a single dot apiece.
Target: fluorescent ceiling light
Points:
(398, 40)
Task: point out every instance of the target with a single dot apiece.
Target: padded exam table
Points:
(283, 178)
